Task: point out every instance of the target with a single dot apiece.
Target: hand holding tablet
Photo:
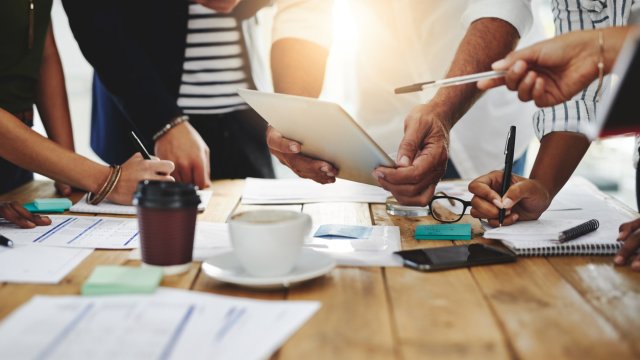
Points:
(324, 130)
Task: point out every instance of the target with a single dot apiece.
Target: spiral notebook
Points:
(548, 237)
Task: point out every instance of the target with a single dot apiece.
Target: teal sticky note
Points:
(112, 279)
(54, 205)
(443, 232)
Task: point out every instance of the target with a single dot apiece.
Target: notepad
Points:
(107, 207)
(443, 232)
(106, 280)
(542, 238)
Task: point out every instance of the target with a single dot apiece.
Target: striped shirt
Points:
(215, 64)
(571, 15)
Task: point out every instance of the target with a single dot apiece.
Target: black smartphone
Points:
(450, 257)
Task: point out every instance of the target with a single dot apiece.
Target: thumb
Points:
(527, 55)
(409, 146)
(516, 193)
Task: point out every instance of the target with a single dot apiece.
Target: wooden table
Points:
(536, 308)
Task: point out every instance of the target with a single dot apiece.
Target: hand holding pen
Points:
(508, 166)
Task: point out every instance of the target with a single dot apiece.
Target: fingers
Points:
(414, 136)
(63, 189)
(628, 251)
(508, 220)
(199, 175)
(525, 88)
(26, 214)
(486, 187)
(308, 168)
(628, 228)
(279, 143)
(515, 74)
(17, 214)
(517, 192)
(487, 84)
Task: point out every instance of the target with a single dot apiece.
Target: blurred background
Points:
(608, 163)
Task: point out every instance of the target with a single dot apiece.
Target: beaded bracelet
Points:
(173, 123)
(600, 63)
(107, 187)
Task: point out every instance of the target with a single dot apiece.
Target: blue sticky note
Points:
(53, 205)
(343, 231)
(443, 232)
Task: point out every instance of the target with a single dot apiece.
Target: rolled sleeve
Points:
(516, 12)
(303, 19)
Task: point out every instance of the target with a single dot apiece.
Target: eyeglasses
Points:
(443, 208)
(448, 209)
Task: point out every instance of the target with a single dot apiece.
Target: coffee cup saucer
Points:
(225, 267)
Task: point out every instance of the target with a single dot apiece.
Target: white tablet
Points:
(325, 131)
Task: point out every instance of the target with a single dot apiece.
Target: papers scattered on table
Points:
(107, 207)
(296, 191)
(79, 232)
(171, 324)
(38, 264)
(374, 249)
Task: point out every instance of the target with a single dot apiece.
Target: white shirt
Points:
(391, 43)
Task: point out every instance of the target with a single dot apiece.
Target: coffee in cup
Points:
(167, 214)
(268, 243)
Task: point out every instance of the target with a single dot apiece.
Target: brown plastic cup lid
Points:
(165, 195)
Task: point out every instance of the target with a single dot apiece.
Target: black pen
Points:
(138, 144)
(4, 241)
(508, 165)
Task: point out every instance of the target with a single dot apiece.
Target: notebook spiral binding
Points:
(571, 249)
(579, 230)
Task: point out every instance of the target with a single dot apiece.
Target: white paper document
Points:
(375, 250)
(296, 191)
(38, 264)
(170, 324)
(79, 232)
(107, 207)
(210, 239)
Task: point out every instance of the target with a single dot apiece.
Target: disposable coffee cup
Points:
(167, 214)
(268, 243)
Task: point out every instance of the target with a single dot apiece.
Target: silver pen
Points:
(458, 80)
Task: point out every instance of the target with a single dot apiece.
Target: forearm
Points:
(559, 155)
(475, 54)
(298, 67)
(28, 149)
(52, 101)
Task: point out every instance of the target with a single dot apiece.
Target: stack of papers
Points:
(171, 324)
(297, 191)
(107, 207)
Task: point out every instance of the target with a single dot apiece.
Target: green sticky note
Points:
(54, 205)
(443, 232)
(111, 279)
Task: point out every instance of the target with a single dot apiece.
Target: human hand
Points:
(288, 152)
(17, 214)
(421, 160)
(630, 234)
(135, 170)
(184, 146)
(221, 6)
(552, 71)
(526, 199)
(63, 189)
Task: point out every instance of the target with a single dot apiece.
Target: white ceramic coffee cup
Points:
(268, 243)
